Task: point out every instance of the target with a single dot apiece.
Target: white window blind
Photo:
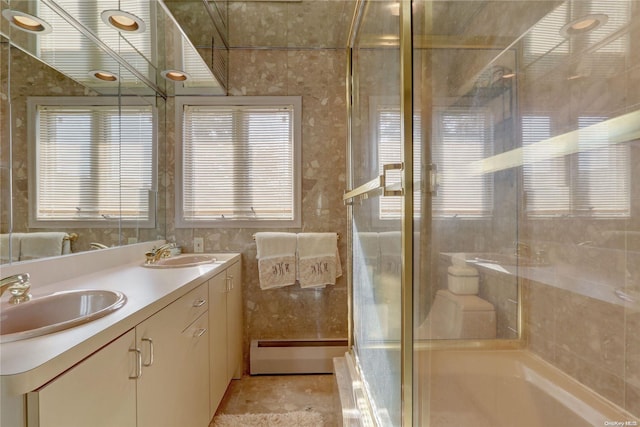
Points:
(94, 163)
(594, 182)
(602, 182)
(390, 151)
(238, 164)
(462, 137)
(545, 177)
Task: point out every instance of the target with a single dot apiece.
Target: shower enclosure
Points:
(494, 202)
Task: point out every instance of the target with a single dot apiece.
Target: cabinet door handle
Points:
(200, 302)
(138, 373)
(229, 283)
(150, 341)
(199, 332)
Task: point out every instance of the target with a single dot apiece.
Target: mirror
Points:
(83, 123)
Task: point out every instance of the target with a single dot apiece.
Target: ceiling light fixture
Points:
(583, 25)
(123, 21)
(175, 75)
(105, 76)
(25, 22)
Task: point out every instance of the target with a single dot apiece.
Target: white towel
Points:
(41, 245)
(318, 259)
(9, 253)
(276, 254)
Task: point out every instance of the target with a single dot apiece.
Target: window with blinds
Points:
(594, 182)
(390, 151)
(94, 164)
(239, 162)
(462, 137)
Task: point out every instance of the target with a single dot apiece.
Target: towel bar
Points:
(254, 236)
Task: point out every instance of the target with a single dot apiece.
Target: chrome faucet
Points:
(18, 285)
(163, 251)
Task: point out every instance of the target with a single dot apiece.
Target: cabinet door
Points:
(234, 322)
(168, 369)
(97, 392)
(193, 390)
(217, 340)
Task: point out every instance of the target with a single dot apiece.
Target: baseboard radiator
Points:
(306, 356)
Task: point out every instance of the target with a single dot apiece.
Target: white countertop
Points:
(28, 364)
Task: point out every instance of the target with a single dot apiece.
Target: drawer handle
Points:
(200, 302)
(150, 341)
(138, 373)
(199, 332)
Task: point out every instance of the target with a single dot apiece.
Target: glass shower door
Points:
(376, 211)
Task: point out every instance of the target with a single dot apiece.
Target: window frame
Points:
(239, 101)
(573, 173)
(380, 103)
(33, 126)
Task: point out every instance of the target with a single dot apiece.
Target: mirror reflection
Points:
(84, 88)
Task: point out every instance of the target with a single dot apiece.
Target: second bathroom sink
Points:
(184, 260)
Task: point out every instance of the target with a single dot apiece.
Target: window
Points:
(461, 137)
(94, 164)
(239, 162)
(594, 182)
(545, 178)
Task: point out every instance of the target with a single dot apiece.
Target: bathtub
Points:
(507, 388)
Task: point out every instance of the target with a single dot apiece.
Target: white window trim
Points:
(296, 102)
(32, 132)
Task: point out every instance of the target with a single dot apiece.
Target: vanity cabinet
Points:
(97, 392)
(225, 324)
(172, 369)
(173, 384)
(153, 376)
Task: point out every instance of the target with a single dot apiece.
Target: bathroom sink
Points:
(184, 260)
(56, 312)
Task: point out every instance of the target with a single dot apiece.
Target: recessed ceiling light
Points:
(175, 75)
(105, 76)
(583, 25)
(123, 21)
(25, 22)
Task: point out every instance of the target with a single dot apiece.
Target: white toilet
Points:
(458, 313)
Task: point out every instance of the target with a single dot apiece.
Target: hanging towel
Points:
(276, 253)
(318, 259)
(41, 245)
(9, 247)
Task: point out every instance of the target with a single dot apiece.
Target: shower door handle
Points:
(378, 185)
(387, 191)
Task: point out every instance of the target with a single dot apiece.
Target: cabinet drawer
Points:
(192, 305)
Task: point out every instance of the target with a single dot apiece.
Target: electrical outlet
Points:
(198, 244)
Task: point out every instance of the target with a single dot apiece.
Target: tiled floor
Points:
(283, 393)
